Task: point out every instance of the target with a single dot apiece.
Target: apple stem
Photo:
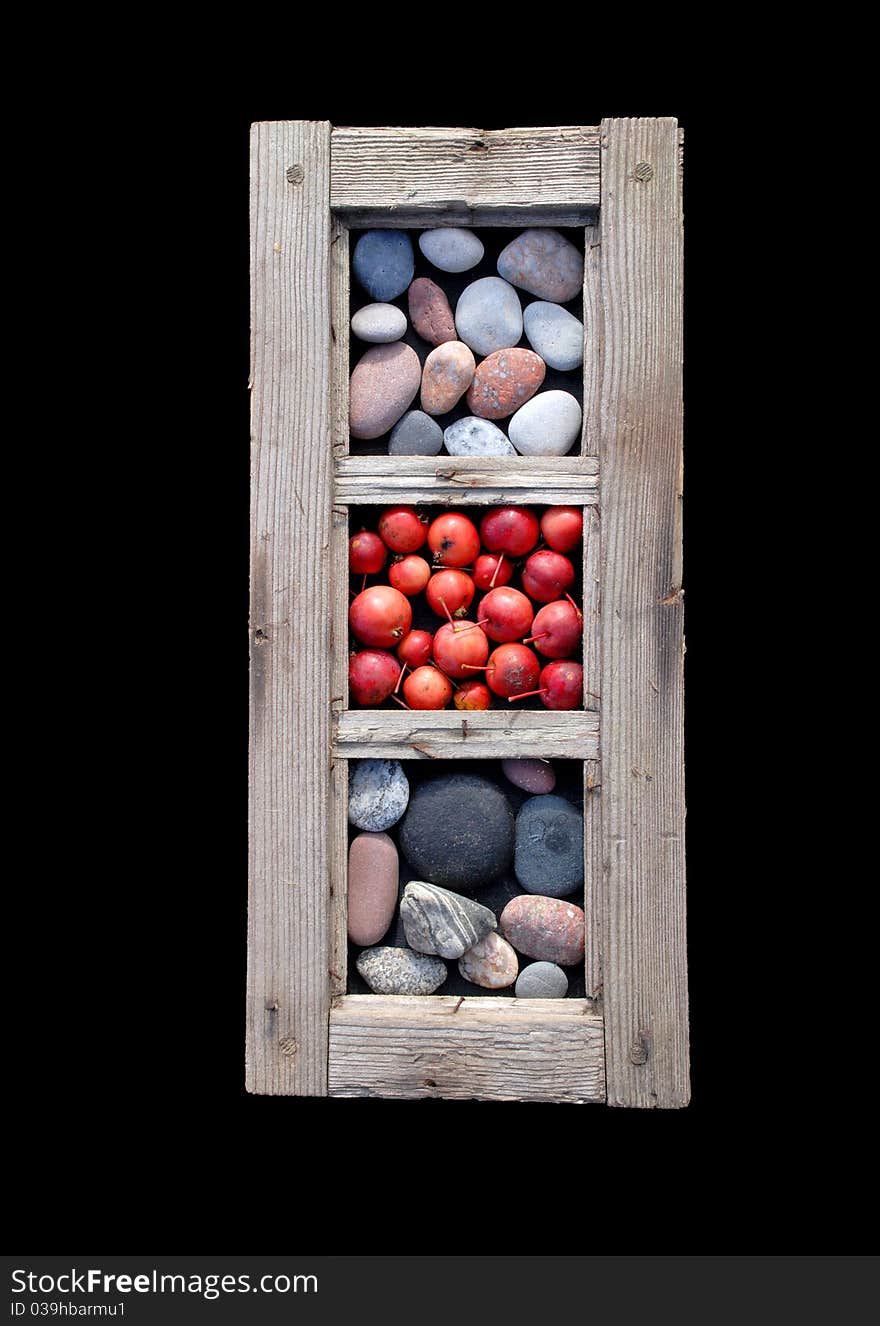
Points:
(400, 702)
(442, 600)
(495, 572)
(529, 638)
(478, 667)
(400, 678)
(575, 606)
(525, 695)
(470, 626)
(364, 585)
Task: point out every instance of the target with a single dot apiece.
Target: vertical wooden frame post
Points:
(642, 643)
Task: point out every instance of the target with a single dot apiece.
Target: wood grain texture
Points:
(466, 480)
(463, 1049)
(453, 176)
(592, 607)
(288, 939)
(640, 448)
(490, 734)
(593, 323)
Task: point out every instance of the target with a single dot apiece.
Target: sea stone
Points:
(549, 847)
(416, 434)
(452, 248)
(383, 262)
(541, 980)
(383, 384)
(399, 971)
(378, 323)
(556, 334)
(448, 372)
(492, 963)
(545, 928)
(476, 437)
(378, 794)
(534, 776)
(488, 315)
(544, 263)
(458, 831)
(546, 425)
(503, 382)
(372, 887)
(429, 311)
(437, 921)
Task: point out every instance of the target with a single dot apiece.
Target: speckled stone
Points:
(503, 382)
(488, 315)
(544, 263)
(476, 437)
(378, 794)
(541, 980)
(545, 928)
(383, 384)
(416, 434)
(383, 262)
(429, 311)
(379, 323)
(546, 425)
(491, 964)
(372, 887)
(452, 249)
(448, 372)
(458, 831)
(549, 855)
(438, 921)
(399, 971)
(556, 334)
(535, 776)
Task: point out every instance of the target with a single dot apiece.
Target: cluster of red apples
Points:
(523, 639)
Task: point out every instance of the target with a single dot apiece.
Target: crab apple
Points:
(450, 593)
(512, 669)
(380, 616)
(510, 529)
(491, 570)
(562, 527)
(415, 648)
(372, 675)
(546, 575)
(562, 684)
(557, 629)
(402, 529)
(508, 614)
(453, 648)
(366, 553)
(472, 695)
(427, 688)
(409, 575)
(453, 539)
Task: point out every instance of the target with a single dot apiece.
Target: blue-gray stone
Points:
(379, 323)
(555, 334)
(399, 971)
(416, 434)
(452, 248)
(378, 794)
(541, 980)
(384, 263)
(549, 856)
(546, 425)
(437, 921)
(488, 315)
(476, 437)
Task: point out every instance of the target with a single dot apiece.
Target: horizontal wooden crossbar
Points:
(549, 480)
(490, 734)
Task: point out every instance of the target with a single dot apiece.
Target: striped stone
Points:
(438, 921)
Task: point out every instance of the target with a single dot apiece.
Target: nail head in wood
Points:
(643, 172)
(295, 174)
(287, 1045)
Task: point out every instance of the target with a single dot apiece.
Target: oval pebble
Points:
(545, 928)
(458, 831)
(383, 262)
(399, 971)
(476, 437)
(503, 382)
(416, 434)
(452, 249)
(372, 887)
(535, 776)
(546, 425)
(378, 794)
(429, 311)
(541, 980)
(549, 847)
(448, 372)
(491, 964)
(555, 334)
(544, 263)
(488, 315)
(439, 921)
(382, 387)
(379, 323)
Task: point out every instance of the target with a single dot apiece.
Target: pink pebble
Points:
(531, 775)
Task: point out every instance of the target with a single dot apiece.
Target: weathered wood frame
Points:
(627, 1043)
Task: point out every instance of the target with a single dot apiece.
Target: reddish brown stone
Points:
(448, 372)
(429, 312)
(549, 929)
(504, 381)
(383, 384)
(372, 887)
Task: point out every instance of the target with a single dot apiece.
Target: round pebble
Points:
(546, 425)
(383, 262)
(488, 315)
(503, 382)
(491, 964)
(448, 372)
(378, 794)
(535, 776)
(549, 847)
(541, 980)
(544, 263)
(452, 248)
(379, 323)
(476, 437)
(556, 334)
(545, 928)
(372, 887)
(383, 384)
(429, 311)
(458, 831)
(399, 971)
(416, 434)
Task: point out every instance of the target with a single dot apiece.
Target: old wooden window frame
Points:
(311, 184)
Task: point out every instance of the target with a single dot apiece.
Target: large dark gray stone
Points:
(458, 831)
(549, 847)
